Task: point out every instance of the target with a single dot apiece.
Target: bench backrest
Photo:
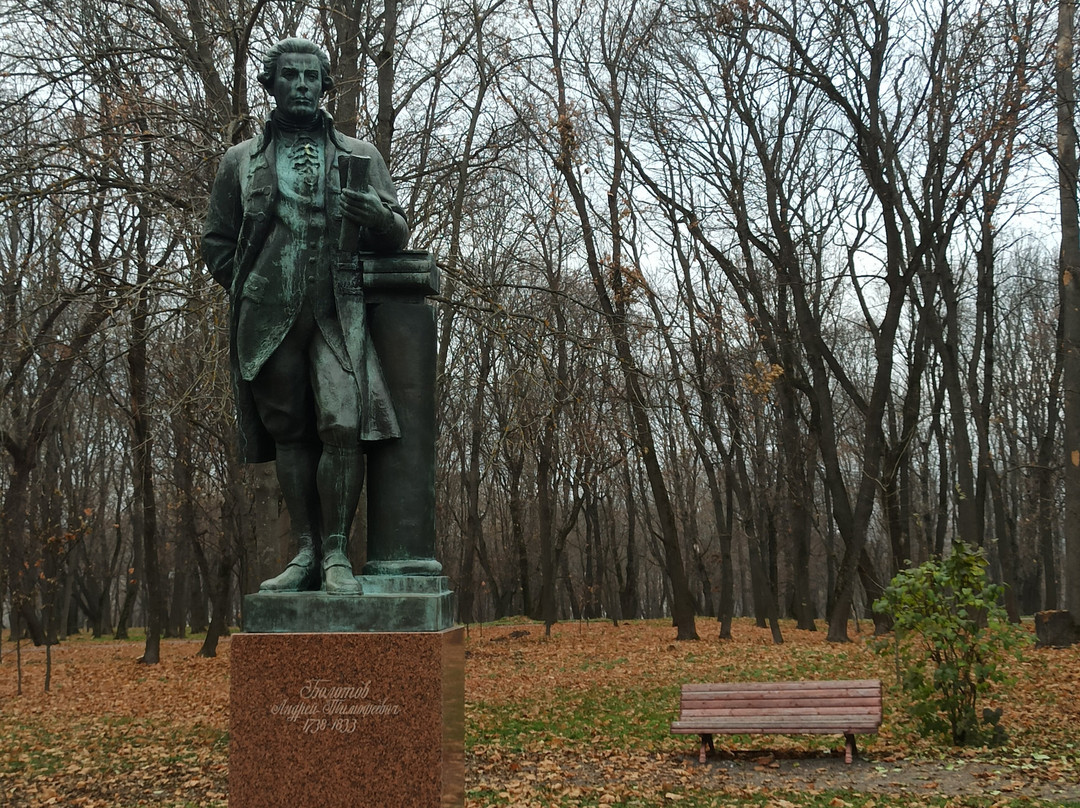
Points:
(789, 700)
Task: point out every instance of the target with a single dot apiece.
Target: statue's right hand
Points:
(367, 209)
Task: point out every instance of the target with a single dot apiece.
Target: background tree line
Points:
(747, 305)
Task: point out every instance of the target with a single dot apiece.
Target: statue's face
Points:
(298, 84)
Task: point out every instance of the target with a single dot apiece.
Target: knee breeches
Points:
(303, 392)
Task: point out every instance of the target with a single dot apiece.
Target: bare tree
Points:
(613, 278)
(1069, 267)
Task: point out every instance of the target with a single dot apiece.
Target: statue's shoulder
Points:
(356, 146)
(238, 160)
(245, 148)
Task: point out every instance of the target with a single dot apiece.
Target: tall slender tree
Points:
(1069, 269)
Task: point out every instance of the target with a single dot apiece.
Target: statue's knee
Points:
(339, 436)
(288, 431)
(339, 426)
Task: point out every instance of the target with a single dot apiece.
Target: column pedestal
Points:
(401, 472)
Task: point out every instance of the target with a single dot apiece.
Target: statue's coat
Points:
(239, 224)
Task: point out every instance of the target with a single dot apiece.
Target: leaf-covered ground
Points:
(578, 719)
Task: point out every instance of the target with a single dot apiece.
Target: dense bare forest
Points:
(746, 305)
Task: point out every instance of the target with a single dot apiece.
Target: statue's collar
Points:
(321, 123)
(283, 123)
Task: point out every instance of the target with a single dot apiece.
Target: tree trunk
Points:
(897, 463)
(474, 525)
(572, 597)
(186, 523)
(199, 619)
(629, 598)
(515, 466)
(764, 597)
(545, 517)
(384, 63)
(219, 618)
(69, 604)
(132, 575)
(142, 448)
(1007, 547)
(236, 507)
(15, 516)
(796, 468)
(594, 558)
(874, 588)
(1070, 297)
(50, 506)
(346, 19)
(1055, 629)
(727, 572)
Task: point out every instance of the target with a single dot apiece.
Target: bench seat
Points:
(780, 708)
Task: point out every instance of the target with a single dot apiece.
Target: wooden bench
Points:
(780, 708)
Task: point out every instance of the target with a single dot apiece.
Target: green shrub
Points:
(950, 632)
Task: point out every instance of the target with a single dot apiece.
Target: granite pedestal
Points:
(354, 712)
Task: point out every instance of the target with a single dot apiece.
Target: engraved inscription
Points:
(322, 705)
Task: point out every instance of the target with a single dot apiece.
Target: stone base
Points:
(388, 603)
(347, 720)
(401, 568)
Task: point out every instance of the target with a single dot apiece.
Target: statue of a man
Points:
(281, 236)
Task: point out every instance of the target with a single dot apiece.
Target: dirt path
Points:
(961, 777)
(629, 773)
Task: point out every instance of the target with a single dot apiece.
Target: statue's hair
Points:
(294, 45)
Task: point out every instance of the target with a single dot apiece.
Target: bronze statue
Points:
(289, 210)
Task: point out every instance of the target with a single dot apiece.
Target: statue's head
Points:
(294, 45)
(297, 73)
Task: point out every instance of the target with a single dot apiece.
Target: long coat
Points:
(241, 217)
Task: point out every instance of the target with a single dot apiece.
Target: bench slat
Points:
(802, 695)
(774, 703)
(792, 715)
(804, 724)
(762, 728)
(826, 684)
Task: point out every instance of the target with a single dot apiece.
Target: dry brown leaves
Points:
(579, 718)
(111, 731)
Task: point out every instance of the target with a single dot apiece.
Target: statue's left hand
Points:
(366, 208)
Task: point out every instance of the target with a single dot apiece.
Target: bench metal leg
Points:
(706, 741)
(850, 749)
